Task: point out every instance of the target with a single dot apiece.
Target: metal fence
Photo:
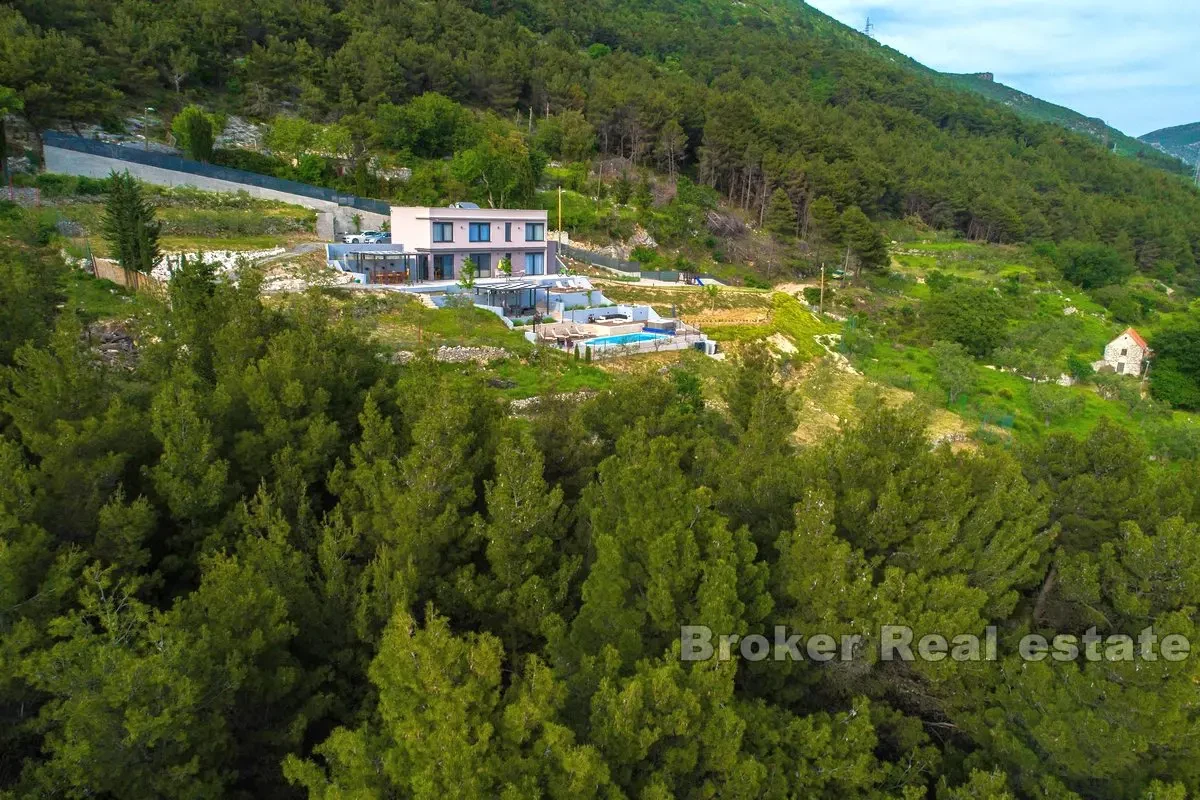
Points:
(628, 267)
(600, 260)
(179, 164)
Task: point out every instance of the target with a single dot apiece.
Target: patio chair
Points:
(576, 332)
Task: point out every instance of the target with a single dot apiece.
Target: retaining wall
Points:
(332, 217)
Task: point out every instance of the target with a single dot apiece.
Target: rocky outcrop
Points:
(457, 355)
(112, 343)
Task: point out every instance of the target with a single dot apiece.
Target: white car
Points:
(362, 238)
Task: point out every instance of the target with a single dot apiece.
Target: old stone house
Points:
(1128, 354)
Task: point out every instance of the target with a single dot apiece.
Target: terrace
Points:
(567, 312)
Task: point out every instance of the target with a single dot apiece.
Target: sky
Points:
(1136, 65)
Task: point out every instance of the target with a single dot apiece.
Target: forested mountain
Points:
(255, 554)
(1181, 141)
(255, 558)
(745, 98)
(1034, 108)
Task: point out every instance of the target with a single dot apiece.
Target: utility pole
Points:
(146, 128)
(821, 306)
(560, 217)
(869, 28)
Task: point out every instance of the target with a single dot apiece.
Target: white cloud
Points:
(1135, 65)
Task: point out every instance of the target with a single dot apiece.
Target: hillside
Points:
(743, 100)
(265, 536)
(1034, 108)
(1181, 141)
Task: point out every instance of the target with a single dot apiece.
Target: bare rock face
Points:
(642, 238)
(457, 355)
(112, 343)
(239, 134)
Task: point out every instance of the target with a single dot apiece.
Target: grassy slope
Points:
(402, 323)
(1002, 398)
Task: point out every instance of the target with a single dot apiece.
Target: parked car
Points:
(361, 238)
(378, 238)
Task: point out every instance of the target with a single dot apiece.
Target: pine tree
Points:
(10, 102)
(826, 228)
(781, 215)
(865, 241)
(129, 224)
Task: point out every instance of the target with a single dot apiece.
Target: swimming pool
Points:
(624, 338)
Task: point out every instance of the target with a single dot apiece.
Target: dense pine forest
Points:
(254, 558)
(745, 98)
(252, 555)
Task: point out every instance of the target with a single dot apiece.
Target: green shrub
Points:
(248, 160)
(194, 132)
(812, 295)
(54, 185)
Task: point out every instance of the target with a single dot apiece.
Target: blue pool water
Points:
(624, 338)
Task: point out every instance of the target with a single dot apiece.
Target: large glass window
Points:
(443, 267)
(535, 231)
(480, 232)
(535, 263)
(483, 264)
(443, 232)
(508, 231)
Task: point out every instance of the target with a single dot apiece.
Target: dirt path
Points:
(293, 251)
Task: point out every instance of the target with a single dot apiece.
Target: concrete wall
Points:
(332, 219)
(343, 218)
(634, 313)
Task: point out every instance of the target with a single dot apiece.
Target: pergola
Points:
(368, 261)
(509, 294)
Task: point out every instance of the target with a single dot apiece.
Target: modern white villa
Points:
(430, 245)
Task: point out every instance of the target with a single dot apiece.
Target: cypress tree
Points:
(129, 225)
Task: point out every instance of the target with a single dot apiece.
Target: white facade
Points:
(447, 236)
(1127, 354)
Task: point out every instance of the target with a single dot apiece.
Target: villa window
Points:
(480, 232)
(535, 231)
(1124, 351)
(483, 264)
(1120, 367)
(443, 267)
(443, 232)
(535, 263)
(508, 231)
